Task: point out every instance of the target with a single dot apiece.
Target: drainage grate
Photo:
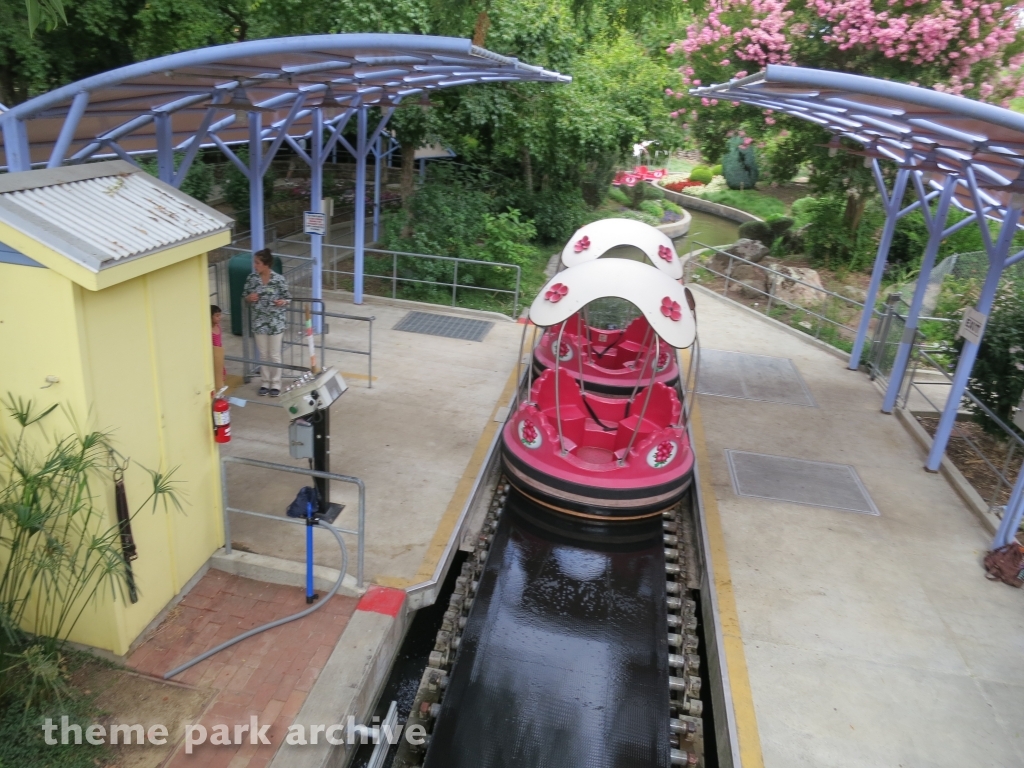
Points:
(444, 325)
(814, 483)
(752, 377)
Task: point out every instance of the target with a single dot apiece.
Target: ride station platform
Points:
(857, 625)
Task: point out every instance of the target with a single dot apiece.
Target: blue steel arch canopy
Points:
(202, 96)
(953, 151)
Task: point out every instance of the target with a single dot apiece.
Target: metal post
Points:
(256, 182)
(936, 223)
(394, 275)
(423, 168)
(316, 194)
(360, 207)
(16, 146)
(224, 506)
(1012, 515)
(892, 208)
(455, 281)
(376, 189)
(997, 260)
(164, 148)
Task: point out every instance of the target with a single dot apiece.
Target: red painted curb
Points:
(382, 600)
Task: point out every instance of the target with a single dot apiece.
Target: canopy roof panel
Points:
(593, 240)
(938, 133)
(209, 91)
(661, 299)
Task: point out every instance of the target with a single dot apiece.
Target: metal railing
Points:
(359, 532)
(827, 319)
(335, 254)
(924, 373)
(295, 343)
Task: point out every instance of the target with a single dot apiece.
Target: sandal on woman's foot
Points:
(263, 392)
(275, 392)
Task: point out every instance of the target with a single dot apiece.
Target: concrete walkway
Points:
(870, 640)
(411, 439)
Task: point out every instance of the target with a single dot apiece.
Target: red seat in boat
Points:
(612, 429)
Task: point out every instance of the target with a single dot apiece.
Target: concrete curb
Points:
(953, 475)
(351, 679)
(844, 356)
(706, 206)
(275, 570)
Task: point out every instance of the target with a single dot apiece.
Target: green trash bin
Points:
(239, 268)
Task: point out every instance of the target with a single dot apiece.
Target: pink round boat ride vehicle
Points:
(609, 358)
(592, 455)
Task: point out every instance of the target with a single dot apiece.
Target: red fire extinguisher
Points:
(221, 418)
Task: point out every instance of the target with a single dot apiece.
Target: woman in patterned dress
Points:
(267, 293)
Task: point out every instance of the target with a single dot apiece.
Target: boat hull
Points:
(625, 503)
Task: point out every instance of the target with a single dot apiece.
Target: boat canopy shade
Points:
(661, 299)
(593, 240)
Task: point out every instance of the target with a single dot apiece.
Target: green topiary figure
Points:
(740, 165)
(757, 230)
(779, 225)
(652, 208)
(701, 174)
(716, 170)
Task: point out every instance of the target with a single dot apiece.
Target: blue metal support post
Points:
(997, 261)
(1011, 515)
(936, 223)
(164, 148)
(256, 225)
(892, 208)
(16, 146)
(316, 194)
(360, 207)
(376, 189)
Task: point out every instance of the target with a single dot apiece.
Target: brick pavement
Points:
(268, 675)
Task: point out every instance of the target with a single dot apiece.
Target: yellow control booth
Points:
(105, 310)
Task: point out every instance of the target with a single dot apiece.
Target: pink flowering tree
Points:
(968, 47)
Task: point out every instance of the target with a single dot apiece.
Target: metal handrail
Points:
(454, 285)
(359, 533)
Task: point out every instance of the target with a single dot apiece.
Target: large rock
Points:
(786, 287)
(751, 250)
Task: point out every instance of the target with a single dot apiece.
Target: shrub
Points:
(740, 165)
(701, 174)
(556, 214)
(757, 230)
(716, 170)
(802, 210)
(829, 242)
(748, 200)
(652, 208)
(617, 195)
(198, 182)
(653, 192)
(670, 206)
(778, 225)
(997, 379)
(236, 190)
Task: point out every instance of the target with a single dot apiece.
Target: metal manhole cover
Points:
(752, 377)
(815, 483)
(444, 325)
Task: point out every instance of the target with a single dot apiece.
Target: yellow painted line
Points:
(436, 548)
(362, 376)
(732, 638)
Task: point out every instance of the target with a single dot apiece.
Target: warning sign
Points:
(314, 223)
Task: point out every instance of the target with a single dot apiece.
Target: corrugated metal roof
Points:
(119, 216)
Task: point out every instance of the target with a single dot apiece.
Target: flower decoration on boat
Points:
(671, 309)
(638, 174)
(529, 435)
(662, 454)
(665, 252)
(556, 292)
(664, 358)
(582, 244)
(564, 352)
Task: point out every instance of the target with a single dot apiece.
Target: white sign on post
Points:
(972, 325)
(314, 223)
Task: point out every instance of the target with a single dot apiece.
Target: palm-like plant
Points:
(57, 547)
(45, 13)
